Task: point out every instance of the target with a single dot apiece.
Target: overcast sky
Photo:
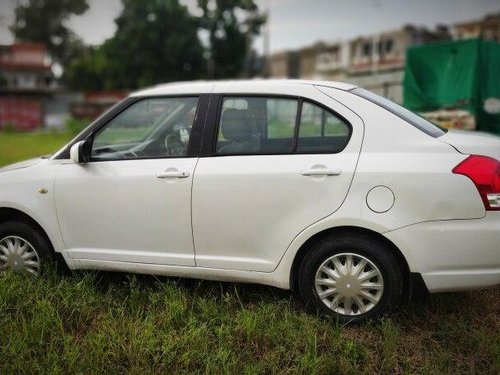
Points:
(295, 23)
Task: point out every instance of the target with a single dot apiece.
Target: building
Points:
(26, 84)
(307, 60)
(377, 62)
(25, 66)
(332, 61)
(302, 63)
(93, 104)
(487, 28)
(30, 97)
(387, 50)
(284, 65)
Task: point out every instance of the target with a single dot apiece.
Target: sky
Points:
(296, 23)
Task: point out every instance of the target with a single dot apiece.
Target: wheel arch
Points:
(13, 214)
(353, 231)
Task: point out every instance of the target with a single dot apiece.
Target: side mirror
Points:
(80, 152)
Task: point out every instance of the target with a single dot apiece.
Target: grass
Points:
(120, 323)
(19, 146)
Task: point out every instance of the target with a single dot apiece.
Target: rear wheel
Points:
(23, 249)
(351, 278)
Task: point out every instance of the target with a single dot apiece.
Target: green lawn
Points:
(19, 146)
(118, 323)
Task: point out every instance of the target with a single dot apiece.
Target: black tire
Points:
(367, 247)
(37, 240)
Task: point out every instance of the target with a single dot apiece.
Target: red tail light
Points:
(485, 173)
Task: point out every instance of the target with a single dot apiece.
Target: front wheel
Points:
(22, 248)
(351, 278)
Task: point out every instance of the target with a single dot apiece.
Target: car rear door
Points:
(253, 193)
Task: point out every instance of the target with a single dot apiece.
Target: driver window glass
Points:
(151, 128)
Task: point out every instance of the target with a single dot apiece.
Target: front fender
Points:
(31, 191)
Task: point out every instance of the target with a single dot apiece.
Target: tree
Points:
(158, 41)
(155, 41)
(231, 26)
(88, 71)
(43, 21)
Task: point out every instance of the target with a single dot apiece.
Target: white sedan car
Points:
(317, 186)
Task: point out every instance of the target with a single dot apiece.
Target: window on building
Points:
(366, 49)
(389, 45)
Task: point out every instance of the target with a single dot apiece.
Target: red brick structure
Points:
(95, 103)
(25, 80)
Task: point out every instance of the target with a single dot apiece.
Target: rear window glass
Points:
(278, 125)
(320, 130)
(407, 115)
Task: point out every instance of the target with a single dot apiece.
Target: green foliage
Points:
(43, 21)
(76, 125)
(155, 41)
(231, 26)
(119, 323)
(9, 128)
(89, 72)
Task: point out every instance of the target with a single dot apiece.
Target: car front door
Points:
(278, 165)
(132, 201)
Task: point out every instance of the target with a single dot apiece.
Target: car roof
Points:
(207, 87)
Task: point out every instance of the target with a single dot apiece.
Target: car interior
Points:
(254, 126)
(159, 129)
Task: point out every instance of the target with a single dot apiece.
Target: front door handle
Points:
(321, 172)
(173, 174)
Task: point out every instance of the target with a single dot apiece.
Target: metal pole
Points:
(266, 41)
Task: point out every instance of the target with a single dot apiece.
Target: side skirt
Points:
(215, 274)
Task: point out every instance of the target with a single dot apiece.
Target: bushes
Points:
(75, 125)
(9, 128)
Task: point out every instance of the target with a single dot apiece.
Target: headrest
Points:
(235, 125)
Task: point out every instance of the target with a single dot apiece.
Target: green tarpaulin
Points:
(456, 75)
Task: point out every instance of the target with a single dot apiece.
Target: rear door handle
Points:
(173, 174)
(321, 172)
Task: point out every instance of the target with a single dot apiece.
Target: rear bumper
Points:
(454, 254)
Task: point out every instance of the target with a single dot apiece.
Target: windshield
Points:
(412, 118)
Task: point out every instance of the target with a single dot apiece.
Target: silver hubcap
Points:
(349, 284)
(18, 254)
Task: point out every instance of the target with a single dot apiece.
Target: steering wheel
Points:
(132, 154)
(174, 146)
